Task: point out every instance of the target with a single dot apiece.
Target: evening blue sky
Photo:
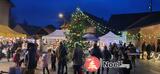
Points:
(44, 12)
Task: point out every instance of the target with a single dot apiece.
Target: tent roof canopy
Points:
(58, 34)
(7, 32)
(90, 37)
(109, 35)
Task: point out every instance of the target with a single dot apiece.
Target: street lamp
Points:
(61, 15)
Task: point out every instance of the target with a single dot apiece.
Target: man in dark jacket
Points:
(53, 60)
(126, 61)
(78, 59)
(106, 57)
(97, 53)
(31, 58)
(62, 59)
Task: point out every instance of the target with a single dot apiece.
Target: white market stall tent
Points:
(90, 37)
(56, 36)
(112, 38)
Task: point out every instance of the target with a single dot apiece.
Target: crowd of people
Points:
(8, 48)
(29, 56)
(149, 48)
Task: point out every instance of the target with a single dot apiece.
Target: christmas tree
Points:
(77, 29)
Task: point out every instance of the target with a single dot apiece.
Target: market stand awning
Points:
(7, 32)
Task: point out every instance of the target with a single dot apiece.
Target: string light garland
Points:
(79, 22)
(100, 28)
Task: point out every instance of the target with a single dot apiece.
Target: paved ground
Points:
(142, 67)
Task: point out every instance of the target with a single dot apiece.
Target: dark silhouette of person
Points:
(53, 60)
(106, 57)
(148, 49)
(133, 57)
(97, 53)
(158, 47)
(62, 59)
(77, 59)
(143, 49)
(126, 61)
(31, 58)
(130, 44)
(153, 47)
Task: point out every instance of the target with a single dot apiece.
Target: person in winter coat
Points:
(16, 57)
(106, 57)
(126, 61)
(53, 60)
(62, 59)
(77, 59)
(153, 47)
(30, 58)
(133, 57)
(148, 49)
(114, 51)
(158, 47)
(95, 51)
(143, 49)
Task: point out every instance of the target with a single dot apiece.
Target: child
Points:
(45, 62)
(16, 57)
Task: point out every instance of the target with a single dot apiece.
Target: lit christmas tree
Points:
(77, 28)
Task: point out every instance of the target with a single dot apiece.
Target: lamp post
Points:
(61, 16)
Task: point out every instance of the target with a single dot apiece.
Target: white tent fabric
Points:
(58, 34)
(112, 38)
(90, 37)
(54, 37)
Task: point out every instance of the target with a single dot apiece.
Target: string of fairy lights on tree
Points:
(77, 28)
(76, 31)
(100, 28)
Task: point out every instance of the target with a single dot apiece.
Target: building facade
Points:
(5, 6)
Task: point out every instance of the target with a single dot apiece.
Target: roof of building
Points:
(18, 28)
(150, 19)
(120, 22)
(46, 30)
(26, 29)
